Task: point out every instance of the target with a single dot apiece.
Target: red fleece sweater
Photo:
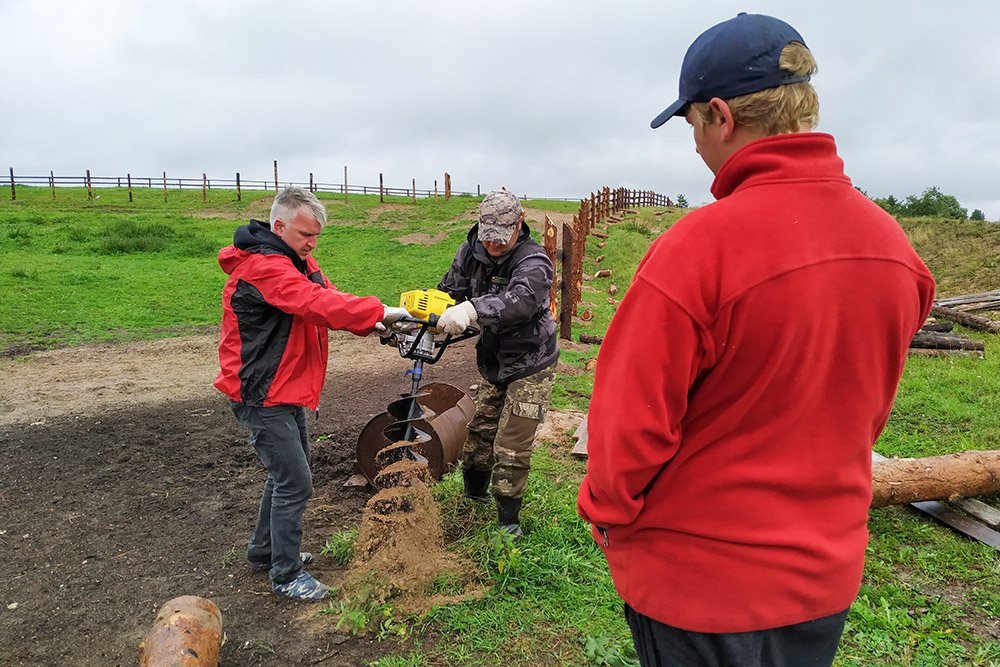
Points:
(739, 390)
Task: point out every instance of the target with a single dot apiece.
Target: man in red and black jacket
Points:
(277, 307)
(729, 471)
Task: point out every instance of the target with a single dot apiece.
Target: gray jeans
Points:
(280, 436)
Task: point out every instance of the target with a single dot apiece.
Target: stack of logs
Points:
(937, 340)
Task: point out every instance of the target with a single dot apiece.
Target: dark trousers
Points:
(280, 436)
(809, 644)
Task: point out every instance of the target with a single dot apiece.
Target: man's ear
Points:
(278, 226)
(722, 114)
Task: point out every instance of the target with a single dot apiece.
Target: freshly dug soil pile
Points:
(399, 553)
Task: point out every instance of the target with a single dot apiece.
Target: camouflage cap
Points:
(499, 214)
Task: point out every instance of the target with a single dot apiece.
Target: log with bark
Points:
(939, 327)
(940, 341)
(965, 474)
(973, 321)
(185, 633)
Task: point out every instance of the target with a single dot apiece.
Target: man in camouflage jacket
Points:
(500, 279)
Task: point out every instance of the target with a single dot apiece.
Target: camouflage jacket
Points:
(511, 297)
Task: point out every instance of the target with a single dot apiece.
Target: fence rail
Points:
(605, 205)
(204, 183)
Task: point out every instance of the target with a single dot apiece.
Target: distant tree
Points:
(933, 204)
(977, 215)
(682, 201)
(892, 205)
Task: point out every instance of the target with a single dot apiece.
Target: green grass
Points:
(76, 270)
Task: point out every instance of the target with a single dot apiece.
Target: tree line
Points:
(931, 204)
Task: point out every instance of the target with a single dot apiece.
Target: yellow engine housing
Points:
(422, 303)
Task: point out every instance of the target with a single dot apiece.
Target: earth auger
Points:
(427, 425)
(401, 452)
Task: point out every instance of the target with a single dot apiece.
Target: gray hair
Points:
(291, 199)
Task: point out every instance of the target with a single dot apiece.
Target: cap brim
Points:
(495, 234)
(668, 113)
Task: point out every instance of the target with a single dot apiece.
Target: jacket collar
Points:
(782, 158)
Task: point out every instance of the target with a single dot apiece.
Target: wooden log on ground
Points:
(939, 327)
(593, 340)
(965, 474)
(185, 633)
(973, 321)
(939, 341)
(967, 302)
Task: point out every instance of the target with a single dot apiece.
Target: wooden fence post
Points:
(90, 192)
(447, 186)
(414, 191)
(345, 183)
(239, 195)
(204, 187)
(576, 260)
(435, 190)
(164, 187)
(129, 176)
(275, 177)
(13, 194)
(550, 250)
(381, 191)
(310, 181)
(566, 309)
(52, 183)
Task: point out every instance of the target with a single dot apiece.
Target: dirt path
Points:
(127, 482)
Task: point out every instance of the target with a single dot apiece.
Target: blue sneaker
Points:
(304, 556)
(302, 587)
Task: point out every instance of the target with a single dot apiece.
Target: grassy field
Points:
(76, 270)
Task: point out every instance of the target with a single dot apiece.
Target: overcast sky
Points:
(550, 99)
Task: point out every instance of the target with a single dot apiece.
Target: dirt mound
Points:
(399, 554)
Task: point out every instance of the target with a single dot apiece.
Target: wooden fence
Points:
(567, 290)
(238, 184)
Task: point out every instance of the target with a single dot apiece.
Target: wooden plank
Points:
(580, 448)
(960, 522)
(986, 513)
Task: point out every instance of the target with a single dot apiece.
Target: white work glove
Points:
(457, 319)
(390, 320)
(391, 315)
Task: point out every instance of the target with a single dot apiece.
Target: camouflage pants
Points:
(502, 432)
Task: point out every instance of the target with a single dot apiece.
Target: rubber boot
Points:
(509, 518)
(477, 484)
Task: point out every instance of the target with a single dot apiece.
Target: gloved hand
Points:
(382, 331)
(391, 315)
(456, 319)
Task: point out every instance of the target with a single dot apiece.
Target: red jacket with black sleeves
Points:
(276, 310)
(739, 390)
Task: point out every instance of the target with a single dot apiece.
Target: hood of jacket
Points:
(256, 238)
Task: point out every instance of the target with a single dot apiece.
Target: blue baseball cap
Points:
(736, 57)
